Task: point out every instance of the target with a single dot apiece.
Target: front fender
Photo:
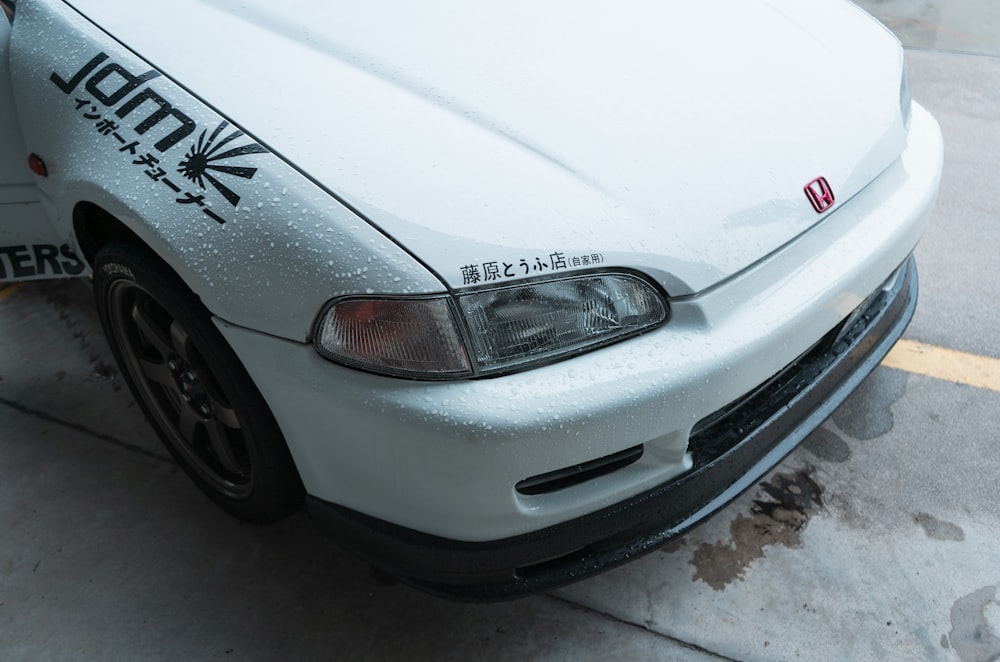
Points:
(260, 243)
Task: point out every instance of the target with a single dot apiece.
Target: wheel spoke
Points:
(179, 340)
(225, 415)
(220, 444)
(157, 371)
(149, 331)
(188, 423)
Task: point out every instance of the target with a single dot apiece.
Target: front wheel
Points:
(192, 387)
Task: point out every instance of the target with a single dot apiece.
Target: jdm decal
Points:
(25, 261)
(147, 129)
(204, 159)
(498, 270)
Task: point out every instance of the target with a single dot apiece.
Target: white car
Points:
(508, 294)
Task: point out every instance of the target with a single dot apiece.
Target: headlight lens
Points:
(540, 321)
(504, 329)
(905, 102)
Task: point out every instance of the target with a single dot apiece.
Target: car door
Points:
(29, 244)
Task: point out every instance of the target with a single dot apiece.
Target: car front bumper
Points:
(410, 470)
(731, 448)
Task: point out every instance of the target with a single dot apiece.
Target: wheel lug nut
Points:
(172, 364)
(187, 398)
(205, 410)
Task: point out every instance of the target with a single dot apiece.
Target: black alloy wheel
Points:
(192, 387)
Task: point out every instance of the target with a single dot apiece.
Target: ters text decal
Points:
(149, 131)
(38, 260)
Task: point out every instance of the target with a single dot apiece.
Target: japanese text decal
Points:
(496, 270)
(111, 94)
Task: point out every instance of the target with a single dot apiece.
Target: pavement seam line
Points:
(951, 51)
(611, 617)
(946, 364)
(85, 430)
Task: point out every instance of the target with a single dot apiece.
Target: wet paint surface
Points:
(895, 560)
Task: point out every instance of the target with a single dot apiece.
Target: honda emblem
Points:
(820, 194)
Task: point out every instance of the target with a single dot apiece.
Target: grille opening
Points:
(717, 433)
(579, 473)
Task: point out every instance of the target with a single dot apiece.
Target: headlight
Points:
(490, 331)
(905, 102)
(541, 321)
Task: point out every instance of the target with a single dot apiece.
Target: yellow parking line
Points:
(948, 364)
(10, 289)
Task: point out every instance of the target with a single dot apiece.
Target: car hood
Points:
(521, 139)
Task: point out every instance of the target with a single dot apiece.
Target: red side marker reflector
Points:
(37, 165)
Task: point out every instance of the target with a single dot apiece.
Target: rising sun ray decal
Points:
(204, 156)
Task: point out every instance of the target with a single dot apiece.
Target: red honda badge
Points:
(820, 194)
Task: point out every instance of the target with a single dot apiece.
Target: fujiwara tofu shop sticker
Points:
(497, 270)
(123, 108)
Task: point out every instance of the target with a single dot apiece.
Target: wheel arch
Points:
(213, 269)
(94, 227)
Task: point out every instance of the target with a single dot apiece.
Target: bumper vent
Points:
(578, 473)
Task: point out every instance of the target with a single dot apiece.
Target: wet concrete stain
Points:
(777, 520)
(939, 529)
(827, 445)
(105, 371)
(675, 546)
(975, 624)
(68, 300)
(867, 413)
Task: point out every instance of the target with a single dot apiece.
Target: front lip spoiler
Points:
(771, 422)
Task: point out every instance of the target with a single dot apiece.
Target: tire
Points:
(192, 387)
